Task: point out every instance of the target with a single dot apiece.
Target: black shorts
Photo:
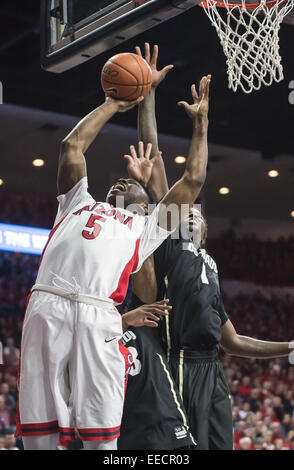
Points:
(154, 416)
(206, 396)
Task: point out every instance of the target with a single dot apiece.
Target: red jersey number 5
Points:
(93, 226)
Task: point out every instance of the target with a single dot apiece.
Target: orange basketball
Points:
(126, 77)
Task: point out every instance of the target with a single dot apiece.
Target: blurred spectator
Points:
(245, 443)
(11, 353)
(279, 445)
(276, 430)
(286, 424)
(4, 412)
(2, 442)
(278, 409)
(245, 410)
(258, 443)
(253, 400)
(10, 401)
(244, 388)
(239, 433)
(10, 441)
(268, 438)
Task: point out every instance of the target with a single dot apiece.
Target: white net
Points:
(250, 40)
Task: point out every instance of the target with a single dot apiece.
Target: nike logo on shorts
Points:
(109, 339)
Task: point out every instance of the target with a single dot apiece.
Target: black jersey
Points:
(153, 416)
(189, 278)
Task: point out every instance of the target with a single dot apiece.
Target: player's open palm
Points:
(157, 75)
(200, 104)
(146, 314)
(139, 164)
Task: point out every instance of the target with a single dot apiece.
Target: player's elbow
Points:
(70, 150)
(67, 144)
(232, 346)
(194, 180)
(226, 349)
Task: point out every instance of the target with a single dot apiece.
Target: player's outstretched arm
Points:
(243, 346)
(72, 164)
(184, 193)
(145, 315)
(147, 126)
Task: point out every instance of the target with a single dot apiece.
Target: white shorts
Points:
(72, 371)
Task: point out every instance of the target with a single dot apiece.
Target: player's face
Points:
(127, 191)
(197, 225)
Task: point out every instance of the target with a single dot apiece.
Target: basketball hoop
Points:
(249, 35)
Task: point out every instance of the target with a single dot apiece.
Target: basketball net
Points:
(249, 35)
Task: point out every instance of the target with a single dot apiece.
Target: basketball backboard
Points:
(74, 31)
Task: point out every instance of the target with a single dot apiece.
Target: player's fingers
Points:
(147, 52)
(154, 56)
(129, 158)
(163, 307)
(141, 149)
(160, 310)
(150, 323)
(184, 104)
(194, 92)
(163, 302)
(138, 51)
(202, 86)
(152, 316)
(207, 86)
(148, 151)
(133, 152)
(166, 69)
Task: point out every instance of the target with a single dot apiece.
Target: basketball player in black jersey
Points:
(198, 323)
(154, 416)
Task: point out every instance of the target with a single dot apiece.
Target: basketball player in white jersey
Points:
(72, 368)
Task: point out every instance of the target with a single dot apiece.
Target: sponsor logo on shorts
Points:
(107, 340)
(128, 336)
(135, 363)
(180, 432)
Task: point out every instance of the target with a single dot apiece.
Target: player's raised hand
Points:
(121, 106)
(146, 314)
(157, 75)
(200, 104)
(139, 164)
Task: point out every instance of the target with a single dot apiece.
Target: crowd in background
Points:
(246, 258)
(34, 211)
(262, 391)
(250, 259)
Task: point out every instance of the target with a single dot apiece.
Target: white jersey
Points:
(96, 246)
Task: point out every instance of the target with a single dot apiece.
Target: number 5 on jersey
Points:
(92, 229)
